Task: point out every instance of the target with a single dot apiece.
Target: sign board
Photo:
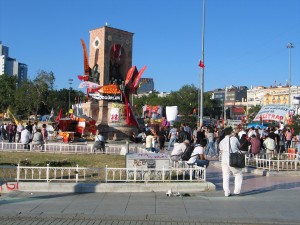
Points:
(234, 123)
(147, 161)
(272, 112)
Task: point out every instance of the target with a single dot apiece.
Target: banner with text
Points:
(272, 112)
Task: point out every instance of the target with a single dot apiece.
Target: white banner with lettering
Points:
(272, 112)
(233, 123)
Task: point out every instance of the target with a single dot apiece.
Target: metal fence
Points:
(280, 162)
(73, 148)
(81, 174)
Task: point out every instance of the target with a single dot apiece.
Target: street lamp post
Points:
(290, 46)
(70, 81)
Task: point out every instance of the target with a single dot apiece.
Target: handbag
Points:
(236, 159)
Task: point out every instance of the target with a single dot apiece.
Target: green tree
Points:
(7, 91)
(252, 112)
(212, 107)
(24, 103)
(42, 84)
(186, 98)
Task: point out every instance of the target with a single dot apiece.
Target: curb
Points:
(181, 187)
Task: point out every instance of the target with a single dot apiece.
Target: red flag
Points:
(59, 115)
(201, 64)
(83, 77)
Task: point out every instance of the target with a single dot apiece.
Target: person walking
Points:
(172, 136)
(210, 147)
(44, 133)
(161, 138)
(288, 137)
(227, 145)
(282, 140)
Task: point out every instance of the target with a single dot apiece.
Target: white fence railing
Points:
(81, 174)
(282, 162)
(73, 148)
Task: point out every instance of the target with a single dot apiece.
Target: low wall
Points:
(190, 187)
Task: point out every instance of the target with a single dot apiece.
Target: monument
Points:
(110, 80)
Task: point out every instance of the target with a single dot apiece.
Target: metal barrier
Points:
(81, 174)
(282, 162)
(73, 148)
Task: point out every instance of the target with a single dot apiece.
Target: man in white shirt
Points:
(19, 130)
(198, 155)
(25, 138)
(251, 132)
(179, 149)
(227, 145)
(269, 145)
(241, 132)
(149, 142)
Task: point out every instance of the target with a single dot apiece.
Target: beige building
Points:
(271, 96)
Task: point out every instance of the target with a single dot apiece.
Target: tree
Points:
(252, 112)
(186, 98)
(7, 91)
(43, 82)
(212, 107)
(24, 99)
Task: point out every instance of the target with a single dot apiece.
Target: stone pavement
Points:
(266, 200)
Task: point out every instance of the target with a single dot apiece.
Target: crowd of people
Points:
(199, 145)
(255, 140)
(30, 133)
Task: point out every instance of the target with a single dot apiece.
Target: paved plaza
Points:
(265, 200)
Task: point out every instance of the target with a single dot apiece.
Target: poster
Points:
(272, 112)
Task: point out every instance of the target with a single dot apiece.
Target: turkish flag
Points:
(201, 64)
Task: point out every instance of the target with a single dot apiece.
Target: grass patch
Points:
(65, 160)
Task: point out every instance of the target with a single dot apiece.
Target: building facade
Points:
(278, 95)
(233, 100)
(11, 66)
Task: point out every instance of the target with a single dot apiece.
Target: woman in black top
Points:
(244, 144)
(161, 138)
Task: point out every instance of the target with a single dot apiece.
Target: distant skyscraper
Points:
(11, 66)
(147, 84)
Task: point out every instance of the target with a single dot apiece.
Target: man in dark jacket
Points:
(183, 135)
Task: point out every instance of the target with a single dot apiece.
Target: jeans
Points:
(210, 149)
(202, 163)
(172, 140)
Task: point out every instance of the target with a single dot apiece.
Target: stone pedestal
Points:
(110, 119)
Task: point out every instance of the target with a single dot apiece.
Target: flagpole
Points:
(202, 74)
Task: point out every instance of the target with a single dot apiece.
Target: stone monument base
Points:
(116, 133)
(110, 126)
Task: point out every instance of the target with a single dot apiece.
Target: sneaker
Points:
(227, 195)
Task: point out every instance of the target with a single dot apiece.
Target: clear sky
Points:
(245, 40)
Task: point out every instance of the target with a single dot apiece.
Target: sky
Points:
(245, 41)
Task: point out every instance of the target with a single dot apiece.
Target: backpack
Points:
(186, 155)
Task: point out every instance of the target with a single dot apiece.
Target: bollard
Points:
(127, 147)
